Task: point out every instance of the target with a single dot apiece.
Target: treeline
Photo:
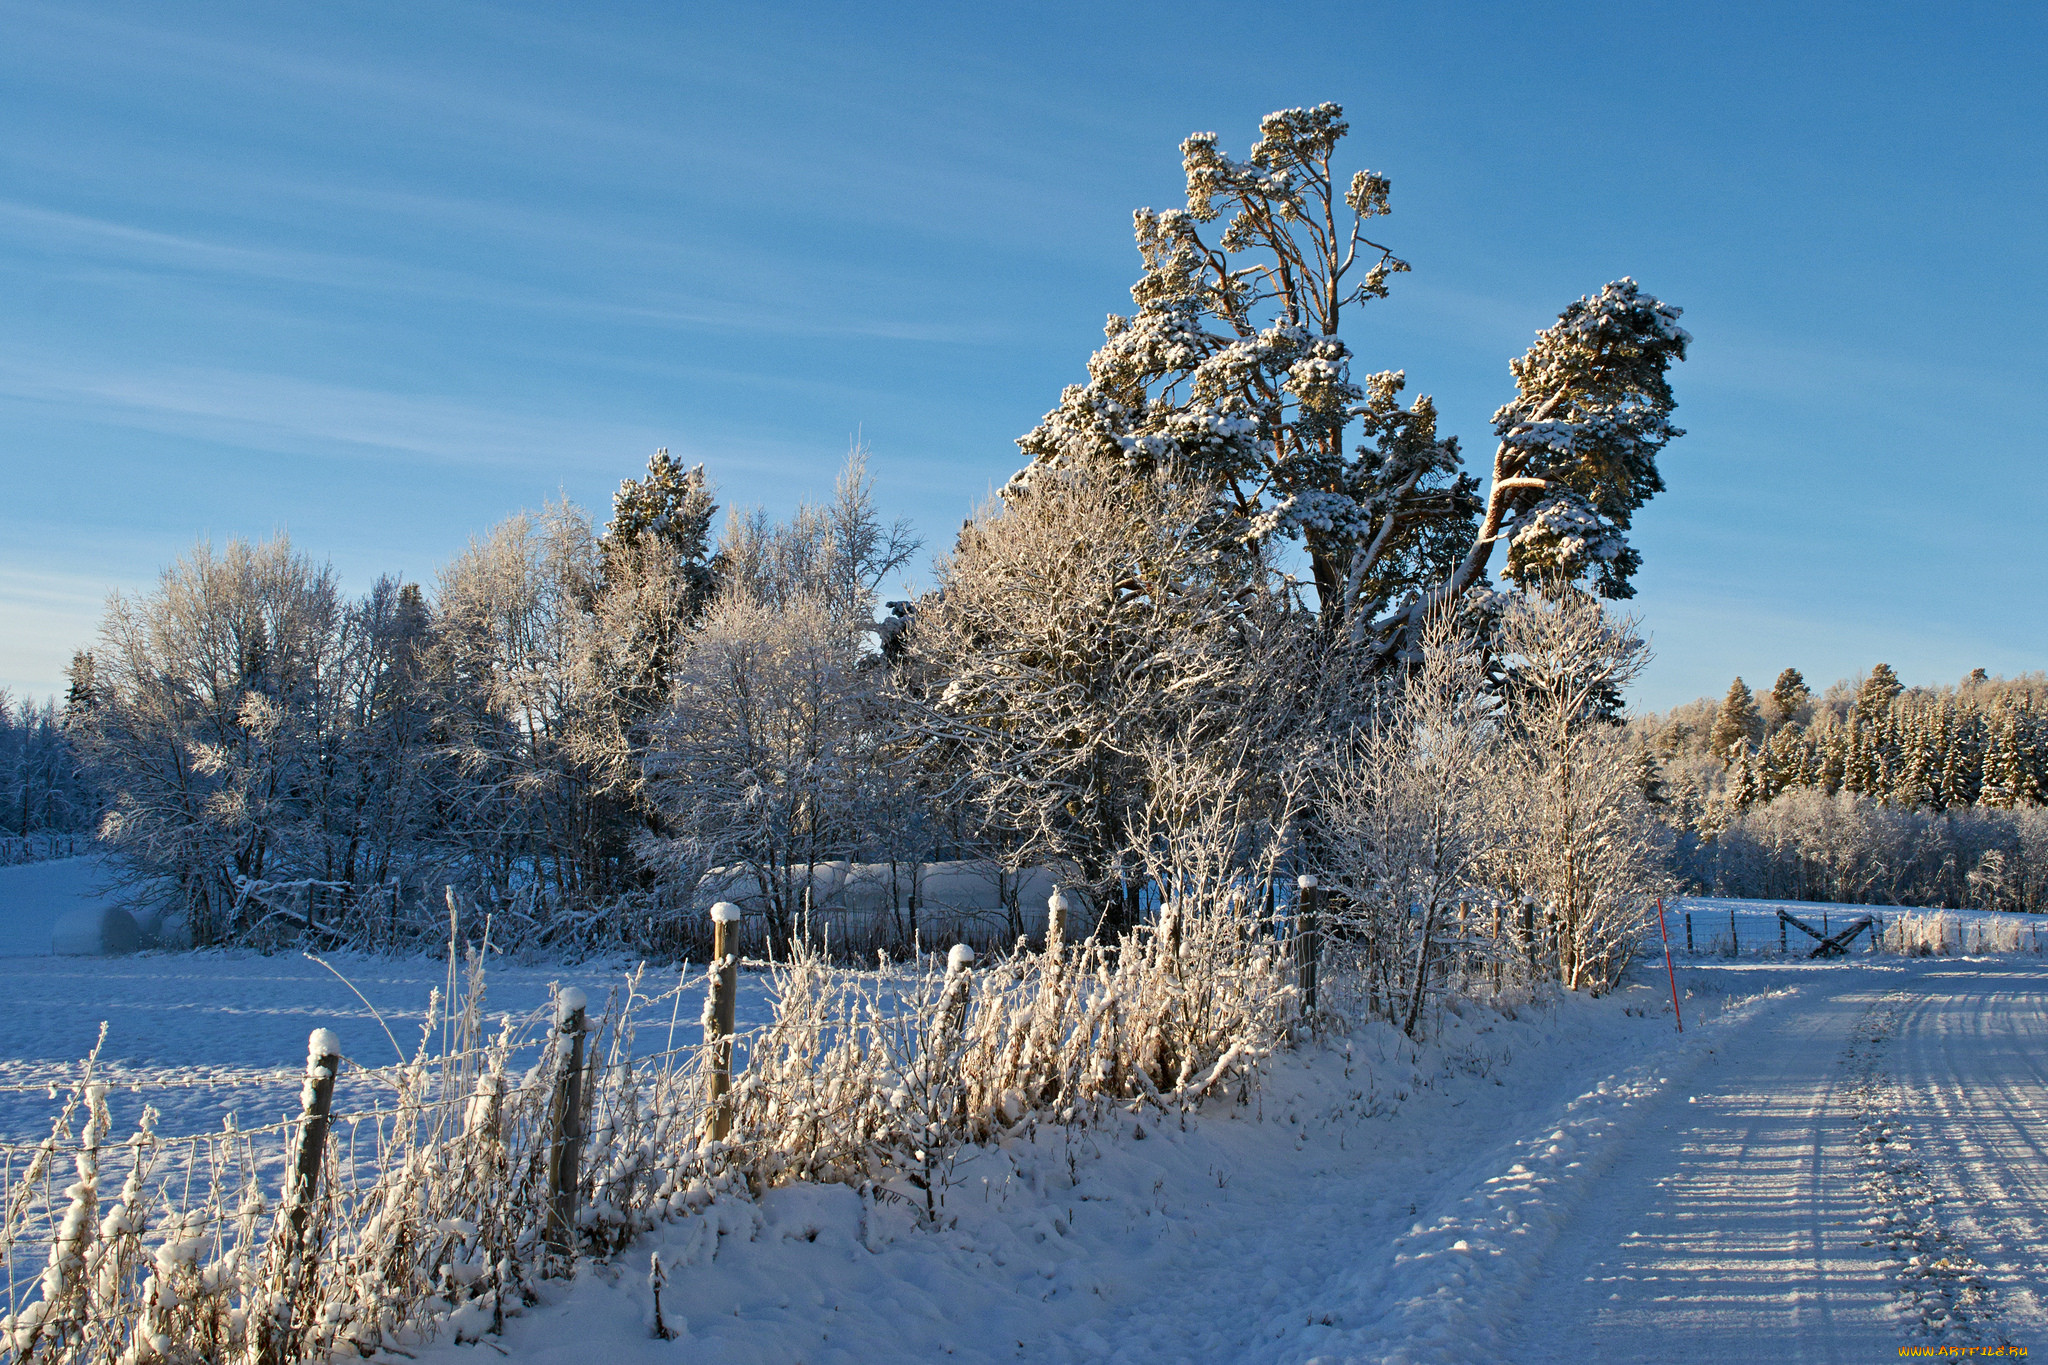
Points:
(41, 789)
(279, 759)
(573, 727)
(1870, 791)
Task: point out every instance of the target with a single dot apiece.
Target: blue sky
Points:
(383, 274)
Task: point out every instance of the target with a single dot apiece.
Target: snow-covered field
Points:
(199, 1035)
(1835, 1159)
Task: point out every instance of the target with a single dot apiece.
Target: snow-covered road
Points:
(1857, 1159)
(1727, 1221)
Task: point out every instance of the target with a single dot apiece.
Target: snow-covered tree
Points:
(1874, 696)
(1235, 372)
(213, 710)
(1739, 725)
(1790, 701)
(1078, 623)
(1405, 818)
(1575, 833)
(760, 759)
(530, 812)
(41, 788)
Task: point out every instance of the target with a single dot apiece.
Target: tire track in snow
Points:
(1728, 1228)
(1940, 1287)
(1965, 1092)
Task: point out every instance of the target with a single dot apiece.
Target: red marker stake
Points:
(1669, 971)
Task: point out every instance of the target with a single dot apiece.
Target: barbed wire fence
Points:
(432, 1196)
(399, 1194)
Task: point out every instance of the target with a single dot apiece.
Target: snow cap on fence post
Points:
(1059, 908)
(570, 1006)
(316, 1098)
(1307, 881)
(959, 959)
(721, 1006)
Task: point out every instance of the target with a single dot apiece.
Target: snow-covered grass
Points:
(1721, 924)
(1572, 1179)
(994, 1186)
(439, 1209)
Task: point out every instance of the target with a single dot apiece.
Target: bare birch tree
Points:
(1404, 817)
(1574, 834)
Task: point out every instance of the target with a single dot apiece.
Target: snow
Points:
(1835, 1159)
(201, 1035)
(1580, 1182)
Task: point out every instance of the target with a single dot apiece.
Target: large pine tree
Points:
(1234, 375)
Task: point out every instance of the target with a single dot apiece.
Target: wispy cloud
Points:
(778, 310)
(290, 415)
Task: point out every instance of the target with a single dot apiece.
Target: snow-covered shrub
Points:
(1573, 833)
(1406, 824)
(887, 1083)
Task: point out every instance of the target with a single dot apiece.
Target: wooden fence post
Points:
(316, 1100)
(1688, 931)
(718, 1019)
(275, 1334)
(1307, 941)
(1782, 947)
(1496, 947)
(1734, 943)
(571, 1009)
(1060, 908)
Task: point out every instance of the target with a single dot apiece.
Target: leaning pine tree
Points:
(1235, 372)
